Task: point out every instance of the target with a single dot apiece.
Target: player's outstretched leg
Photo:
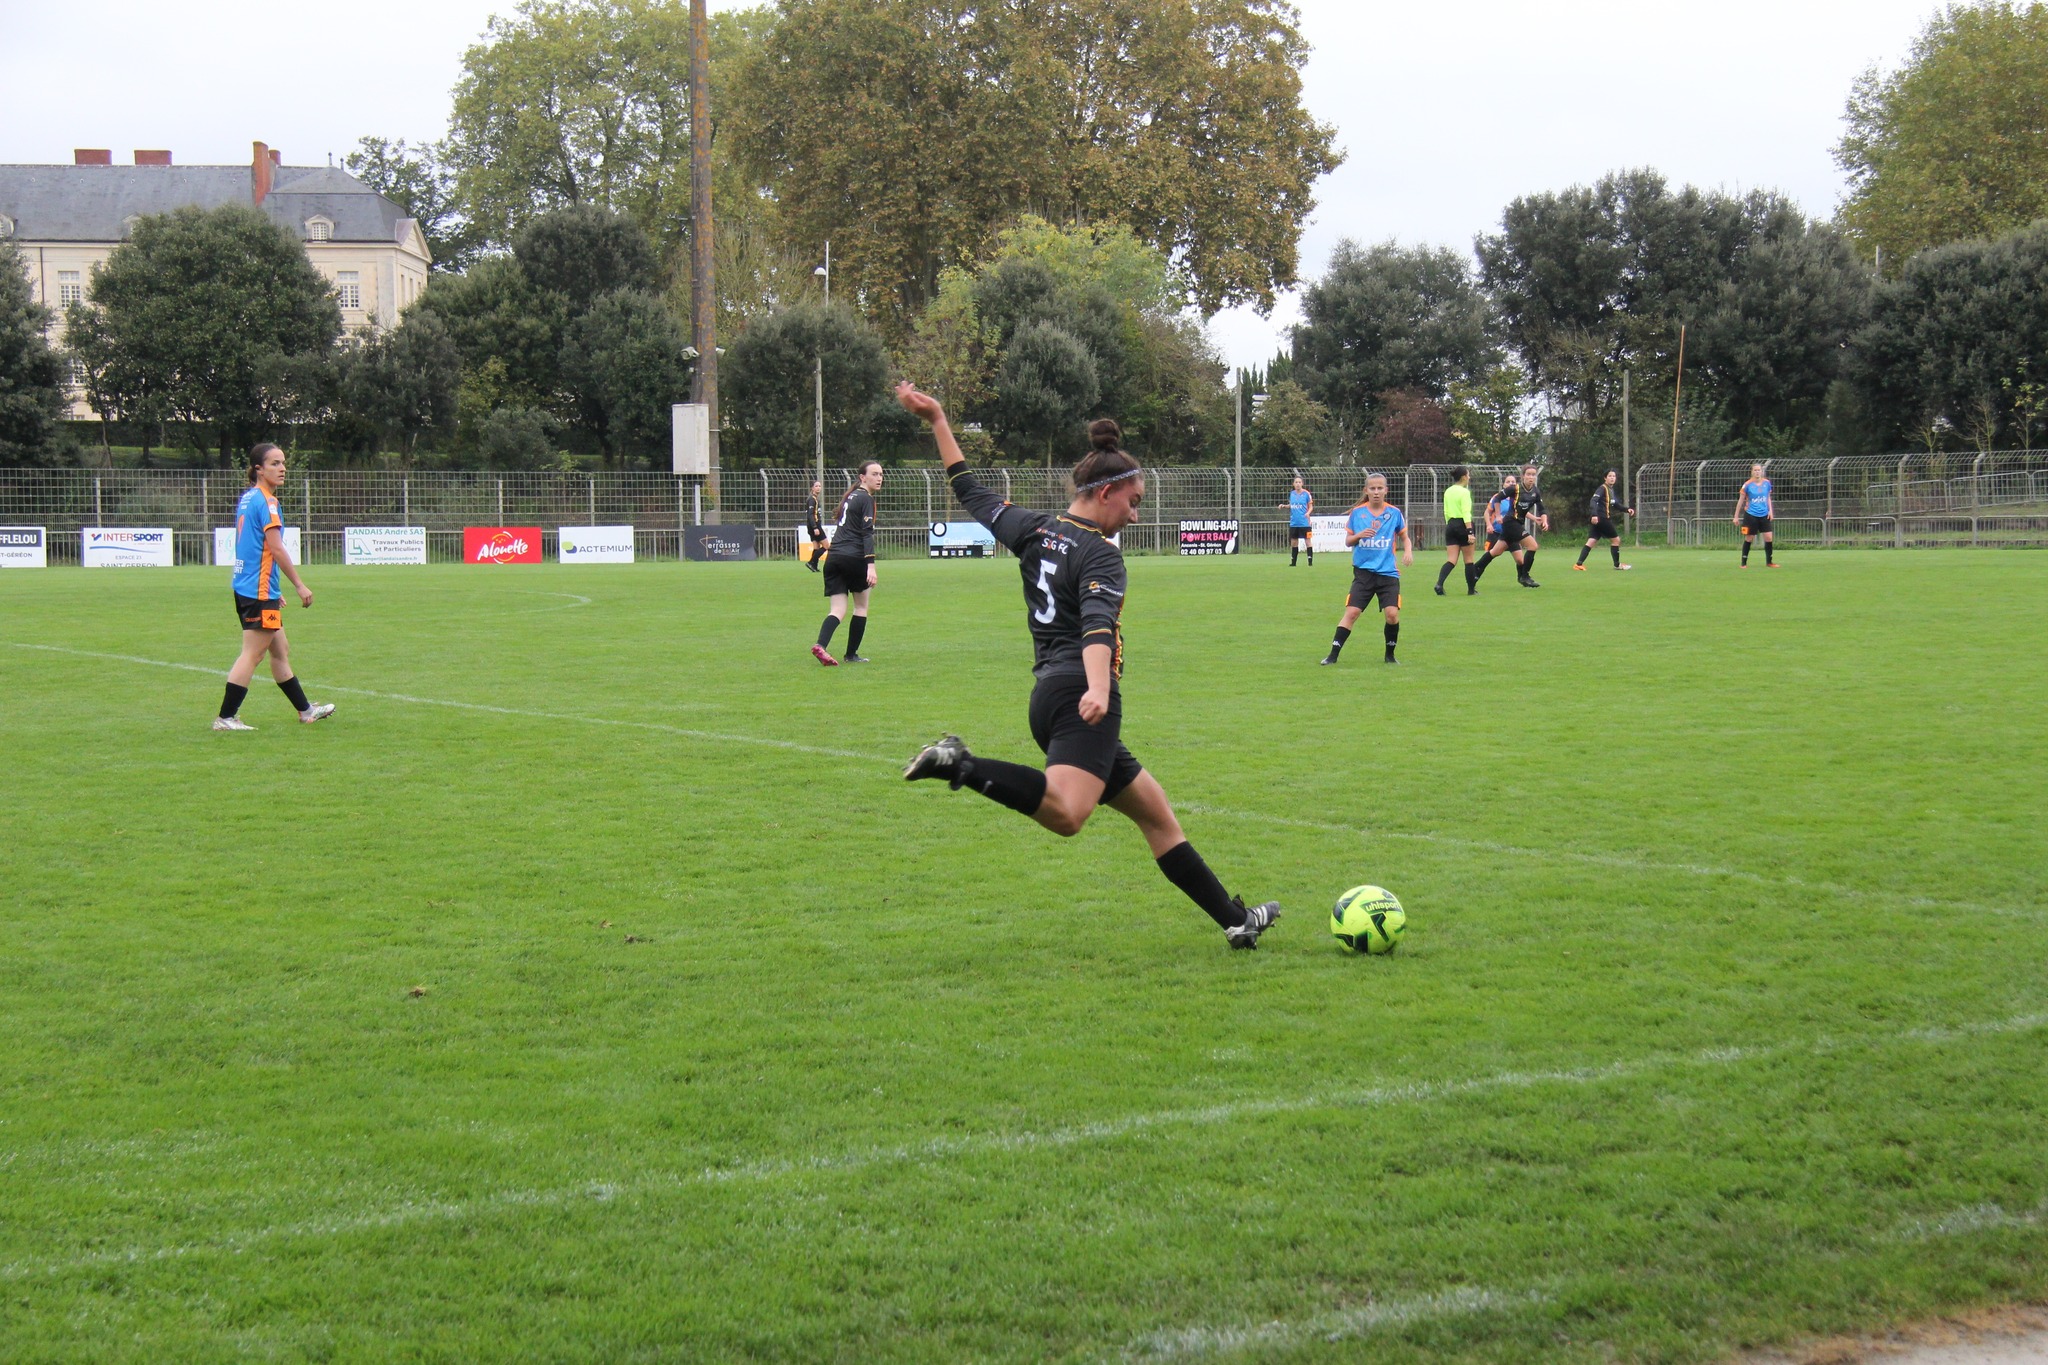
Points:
(1144, 803)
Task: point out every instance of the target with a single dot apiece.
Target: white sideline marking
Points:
(410, 1211)
(1185, 1342)
(1621, 861)
(1976, 1218)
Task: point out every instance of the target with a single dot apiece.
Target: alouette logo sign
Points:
(501, 544)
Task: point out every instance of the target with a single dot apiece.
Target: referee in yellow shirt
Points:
(1457, 525)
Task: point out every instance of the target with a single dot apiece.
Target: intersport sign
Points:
(594, 545)
(102, 547)
(501, 544)
(24, 547)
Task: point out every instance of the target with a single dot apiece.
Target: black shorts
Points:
(1511, 533)
(1366, 585)
(1299, 532)
(1603, 530)
(1065, 738)
(1456, 532)
(1754, 525)
(259, 613)
(844, 575)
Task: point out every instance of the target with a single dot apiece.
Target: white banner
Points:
(102, 547)
(1327, 533)
(594, 545)
(381, 545)
(24, 547)
(224, 546)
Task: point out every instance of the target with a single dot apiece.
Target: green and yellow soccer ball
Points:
(1368, 919)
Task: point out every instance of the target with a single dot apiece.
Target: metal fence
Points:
(1993, 498)
(1999, 498)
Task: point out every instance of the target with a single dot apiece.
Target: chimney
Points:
(92, 156)
(276, 157)
(152, 158)
(260, 173)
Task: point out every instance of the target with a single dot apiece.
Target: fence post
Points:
(202, 504)
(99, 516)
(1699, 477)
(405, 498)
(680, 523)
(307, 484)
(926, 475)
(501, 502)
(765, 521)
(593, 498)
(1976, 494)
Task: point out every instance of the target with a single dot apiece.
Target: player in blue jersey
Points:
(1301, 505)
(1374, 526)
(1753, 513)
(260, 559)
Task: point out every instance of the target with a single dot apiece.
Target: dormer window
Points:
(6, 226)
(319, 229)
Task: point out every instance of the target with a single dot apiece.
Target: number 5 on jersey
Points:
(1046, 569)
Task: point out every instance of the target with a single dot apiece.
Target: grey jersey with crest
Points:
(1073, 577)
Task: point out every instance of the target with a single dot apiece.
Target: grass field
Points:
(1720, 1020)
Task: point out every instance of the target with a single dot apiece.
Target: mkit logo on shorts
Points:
(501, 544)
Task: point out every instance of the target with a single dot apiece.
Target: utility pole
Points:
(1237, 488)
(703, 285)
(1671, 478)
(823, 272)
(1627, 501)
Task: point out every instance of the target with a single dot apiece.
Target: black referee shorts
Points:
(1065, 738)
(1456, 532)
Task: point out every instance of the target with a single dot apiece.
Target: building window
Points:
(348, 289)
(74, 374)
(319, 230)
(70, 288)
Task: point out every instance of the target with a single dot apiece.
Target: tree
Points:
(1046, 388)
(1950, 145)
(1410, 427)
(507, 333)
(576, 102)
(909, 132)
(403, 384)
(1951, 341)
(1290, 426)
(624, 357)
(582, 253)
(768, 383)
(1390, 319)
(218, 312)
(420, 181)
(31, 371)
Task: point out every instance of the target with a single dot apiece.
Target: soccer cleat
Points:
(1578, 568)
(1624, 567)
(942, 758)
(818, 653)
(1390, 659)
(1471, 590)
(1528, 582)
(1327, 659)
(856, 659)
(1257, 920)
(318, 711)
(1772, 564)
(1439, 590)
(231, 723)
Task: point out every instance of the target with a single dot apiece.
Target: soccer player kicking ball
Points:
(1301, 505)
(1457, 526)
(1602, 508)
(260, 558)
(1074, 596)
(1371, 534)
(1753, 513)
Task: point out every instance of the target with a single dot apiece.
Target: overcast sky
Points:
(1445, 110)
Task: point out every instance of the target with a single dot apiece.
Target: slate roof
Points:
(94, 203)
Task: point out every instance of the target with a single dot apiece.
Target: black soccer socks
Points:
(855, 628)
(1745, 549)
(1585, 550)
(1020, 788)
(1293, 556)
(1443, 574)
(1769, 556)
(826, 631)
(1337, 642)
(1528, 564)
(295, 694)
(231, 703)
(1615, 550)
(1184, 867)
(1477, 570)
(1393, 633)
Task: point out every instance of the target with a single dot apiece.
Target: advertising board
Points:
(961, 540)
(718, 542)
(382, 545)
(117, 547)
(224, 545)
(1327, 533)
(594, 545)
(1210, 536)
(501, 544)
(24, 547)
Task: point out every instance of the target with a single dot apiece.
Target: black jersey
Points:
(1500, 508)
(1603, 504)
(855, 536)
(1073, 578)
(1529, 503)
(813, 523)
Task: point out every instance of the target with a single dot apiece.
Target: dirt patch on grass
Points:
(1990, 1336)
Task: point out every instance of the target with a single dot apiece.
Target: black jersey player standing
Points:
(1074, 596)
(850, 567)
(1601, 510)
(814, 527)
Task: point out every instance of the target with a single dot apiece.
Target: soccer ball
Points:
(1368, 919)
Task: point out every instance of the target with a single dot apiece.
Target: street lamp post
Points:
(823, 272)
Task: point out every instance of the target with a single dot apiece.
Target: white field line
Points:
(1189, 1343)
(1976, 1218)
(411, 1211)
(1619, 861)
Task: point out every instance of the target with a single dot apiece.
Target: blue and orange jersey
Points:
(1297, 507)
(1376, 532)
(1757, 495)
(256, 570)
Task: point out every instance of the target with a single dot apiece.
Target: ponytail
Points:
(854, 487)
(258, 453)
(1107, 461)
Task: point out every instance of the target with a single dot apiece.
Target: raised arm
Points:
(985, 505)
(927, 407)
